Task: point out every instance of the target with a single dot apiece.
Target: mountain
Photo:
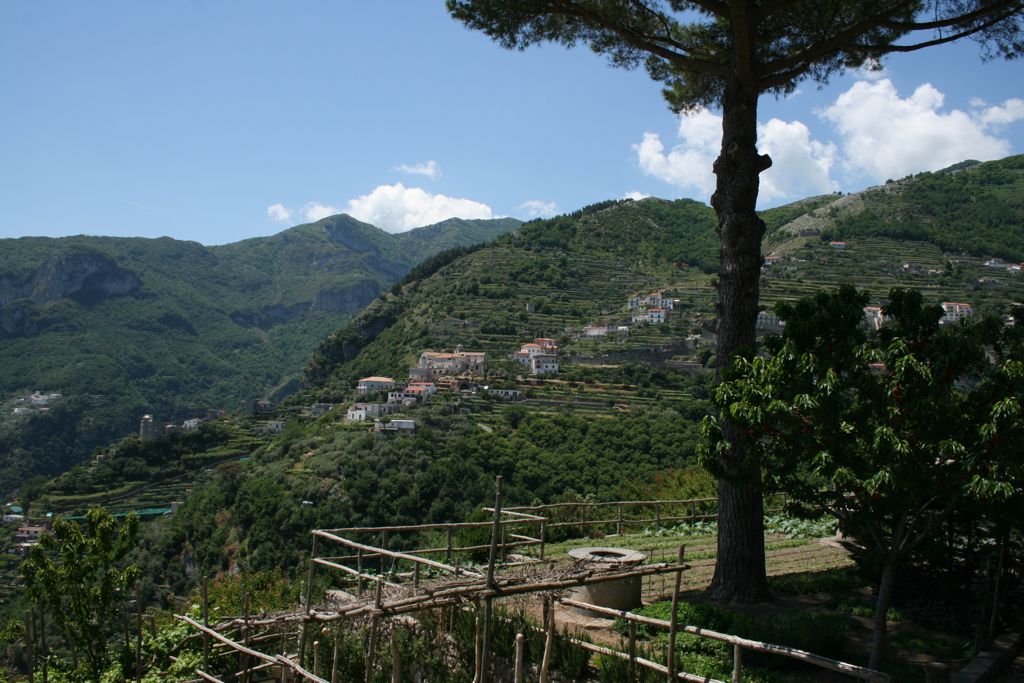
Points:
(619, 420)
(580, 268)
(126, 326)
(969, 207)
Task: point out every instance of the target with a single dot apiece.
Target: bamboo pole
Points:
(359, 568)
(307, 598)
(485, 654)
(485, 669)
(206, 623)
(476, 646)
(673, 622)
(549, 641)
(371, 649)
(396, 665)
(334, 660)
(632, 652)
(518, 671)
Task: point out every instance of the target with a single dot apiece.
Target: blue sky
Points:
(218, 120)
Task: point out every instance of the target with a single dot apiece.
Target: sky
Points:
(221, 120)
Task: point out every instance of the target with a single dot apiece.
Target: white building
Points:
(370, 384)
(955, 311)
(544, 364)
(361, 412)
(652, 300)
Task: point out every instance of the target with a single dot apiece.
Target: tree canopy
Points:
(727, 53)
(888, 434)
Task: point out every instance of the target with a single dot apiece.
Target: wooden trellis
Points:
(385, 597)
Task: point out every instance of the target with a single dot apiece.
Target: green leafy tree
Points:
(727, 53)
(889, 435)
(76, 574)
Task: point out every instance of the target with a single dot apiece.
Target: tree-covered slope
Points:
(545, 279)
(970, 207)
(123, 326)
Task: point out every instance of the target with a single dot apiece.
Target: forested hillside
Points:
(122, 327)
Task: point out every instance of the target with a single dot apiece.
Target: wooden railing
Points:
(739, 645)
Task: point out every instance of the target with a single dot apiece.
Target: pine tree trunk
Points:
(740, 567)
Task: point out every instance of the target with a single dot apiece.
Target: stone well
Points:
(623, 594)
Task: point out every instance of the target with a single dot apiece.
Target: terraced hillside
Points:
(554, 278)
(122, 327)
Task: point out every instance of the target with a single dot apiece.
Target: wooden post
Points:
(618, 522)
(138, 632)
(334, 660)
(359, 568)
(307, 598)
(416, 575)
(476, 646)
(737, 663)
(518, 672)
(396, 665)
(673, 622)
(583, 520)
(632, 652)
(495, 528)
(485, 656)
(206, 623)
(657, 516)
(370, 649)
(448, 549)
(316, 657)
(543, 537)
(549, 641)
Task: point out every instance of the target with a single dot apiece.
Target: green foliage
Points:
(888, 435)
(978, 209)
(78, 576)
(173, 328)
(822, 634)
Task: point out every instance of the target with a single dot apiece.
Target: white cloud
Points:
(397, 208)
(1010, 111)
(538, 208)
(279, 213)
(688, 164)
(314, 211)
(801, 165)
(429, 169)
(886, 136)
(635, 195)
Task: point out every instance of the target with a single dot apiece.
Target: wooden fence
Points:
(433, 583)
